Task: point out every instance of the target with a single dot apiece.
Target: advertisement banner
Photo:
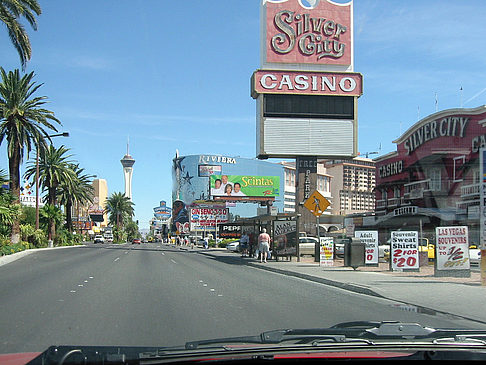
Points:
(208, 170)
(207, 218)
(327, 251)
(285, 237)
(244, 186)
(404, 250)
(370, 238)
(229, 230)
(452, 248)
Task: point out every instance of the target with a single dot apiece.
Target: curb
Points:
(346, 286)
(4, 260)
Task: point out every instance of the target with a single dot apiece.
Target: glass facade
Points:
(191, 177)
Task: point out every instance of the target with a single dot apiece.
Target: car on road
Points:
(233, 246)
(136, 241)
(99, 239)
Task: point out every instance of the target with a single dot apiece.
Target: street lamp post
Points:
(64, 134)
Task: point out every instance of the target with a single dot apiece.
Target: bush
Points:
(35, 237)
(66, 238)
(13, 248)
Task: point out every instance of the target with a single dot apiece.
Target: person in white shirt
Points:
(237, 190)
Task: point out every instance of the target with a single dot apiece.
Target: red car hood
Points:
(18, 359)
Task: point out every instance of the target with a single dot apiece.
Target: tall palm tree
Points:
(55, 170)
(24, 123)
(10, 13)
(79, 191)
(120, 209)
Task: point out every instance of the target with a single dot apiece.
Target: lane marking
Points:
(115, 260)
(80, 285)
(73, 291)
(173, 261)
(163, 253)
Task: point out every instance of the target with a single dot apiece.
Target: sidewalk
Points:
(419, 291)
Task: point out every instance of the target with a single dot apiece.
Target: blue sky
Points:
(175, 75)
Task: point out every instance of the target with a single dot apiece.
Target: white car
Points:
(474, 256)
(307, 245)
(99, 239)
(233, 246)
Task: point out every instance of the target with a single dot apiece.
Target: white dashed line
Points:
(115, 260)
(173, 261)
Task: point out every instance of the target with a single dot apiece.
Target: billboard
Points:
(208, 170)
(241, 186)
(285, 236)
(317, 32)
(229, 230)
(162, 212)
(207, 216)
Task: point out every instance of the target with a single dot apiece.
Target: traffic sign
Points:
(316, 203)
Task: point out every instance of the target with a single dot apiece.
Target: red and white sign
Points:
(306, 83)
(404, 250)
(452, 248)
(321, 34)
(202, 218)
(370, 239)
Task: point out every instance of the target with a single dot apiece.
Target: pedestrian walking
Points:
(244, 245)
(264, 245)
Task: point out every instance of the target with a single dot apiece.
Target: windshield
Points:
(338, 144)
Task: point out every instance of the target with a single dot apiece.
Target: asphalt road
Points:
(159, 295)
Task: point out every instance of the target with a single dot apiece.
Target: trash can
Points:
(354, 252)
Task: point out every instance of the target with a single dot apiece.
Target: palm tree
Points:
(10, 13)
(120, 209)
(55, 171)
(23, 123)
(78, 191)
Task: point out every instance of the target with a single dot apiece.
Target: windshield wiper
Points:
(359, 331)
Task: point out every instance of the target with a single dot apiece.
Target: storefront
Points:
(432, 179)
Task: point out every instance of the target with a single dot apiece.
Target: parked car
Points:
(307, 245)
(99, 239)
(426, 246)
(233, 246)
(108, 238)
(136, 241)
(474, 255)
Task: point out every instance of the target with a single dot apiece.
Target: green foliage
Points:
(11, 11)
(36, 238)
(27, 216)
(66, 238)
(50, 212)
(120, 209)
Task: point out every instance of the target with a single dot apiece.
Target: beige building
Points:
(290, 175)
(353, 184)
(100, 195)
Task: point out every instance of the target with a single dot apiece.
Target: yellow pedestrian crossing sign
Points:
(316, 203)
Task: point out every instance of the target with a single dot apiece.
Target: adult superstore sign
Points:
(404, 250)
